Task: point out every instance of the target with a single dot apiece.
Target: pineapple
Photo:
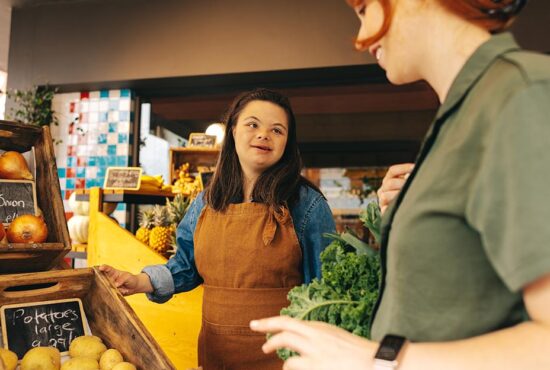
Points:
(145, 226)
(177, 208)
(160, 237)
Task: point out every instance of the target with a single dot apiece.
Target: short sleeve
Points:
(509, 201)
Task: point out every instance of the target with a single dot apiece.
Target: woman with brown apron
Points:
(251, 236)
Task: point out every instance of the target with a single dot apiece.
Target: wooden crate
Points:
(44, 256)
(194, 156)
(108, 314)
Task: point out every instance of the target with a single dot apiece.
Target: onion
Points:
(27, 229)
(13, 166)
(3, 239)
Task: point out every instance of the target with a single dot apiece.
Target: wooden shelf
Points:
(196, 157)
(128, 196)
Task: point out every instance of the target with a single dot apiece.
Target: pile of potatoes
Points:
(87, 353)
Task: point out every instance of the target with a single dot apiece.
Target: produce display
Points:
(24, 228)
(86, 353)
(348, 289)
(186, 184)
(158, 225)
(153, 183)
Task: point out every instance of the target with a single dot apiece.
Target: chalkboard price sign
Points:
(17, 197)
(201, 141)
(51, 323)
(127, 178)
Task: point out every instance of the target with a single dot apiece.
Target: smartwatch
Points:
(387, 356)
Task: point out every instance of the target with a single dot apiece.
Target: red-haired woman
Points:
(465, 245)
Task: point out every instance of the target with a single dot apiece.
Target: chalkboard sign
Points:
(202, 141)
(50, 323)
(205, 178)
(127, 178)
(17, 197)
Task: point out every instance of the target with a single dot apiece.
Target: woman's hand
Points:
(393, 183)
(321, 346)
(127, 283)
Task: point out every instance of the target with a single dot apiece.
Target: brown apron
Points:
(249, 257)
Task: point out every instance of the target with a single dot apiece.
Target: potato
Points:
(80, 363)
(124, 366)
(41, 358)
(87, 346)
(109, 359)
(9, 359)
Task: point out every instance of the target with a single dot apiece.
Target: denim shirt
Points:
(311, 217)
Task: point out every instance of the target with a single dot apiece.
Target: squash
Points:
(78, 228)
(79, 207)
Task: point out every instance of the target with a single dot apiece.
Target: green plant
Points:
(33, 106)
(350, 281)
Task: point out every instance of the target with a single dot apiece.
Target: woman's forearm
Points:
(525, 346)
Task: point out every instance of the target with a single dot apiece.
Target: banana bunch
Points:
(151, 183)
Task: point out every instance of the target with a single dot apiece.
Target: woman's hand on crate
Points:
(127, 283)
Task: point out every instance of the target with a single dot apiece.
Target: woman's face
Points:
(260, 133)
(397, 51)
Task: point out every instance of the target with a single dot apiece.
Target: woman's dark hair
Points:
(278, 185)
(493, 15)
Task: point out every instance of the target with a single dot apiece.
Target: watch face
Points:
(389, 347)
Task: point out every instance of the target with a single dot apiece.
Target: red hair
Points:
(366, 43)
(489, 14)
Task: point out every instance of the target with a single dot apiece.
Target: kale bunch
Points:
(348, 289)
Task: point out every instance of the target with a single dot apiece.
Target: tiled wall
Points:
(94, 132)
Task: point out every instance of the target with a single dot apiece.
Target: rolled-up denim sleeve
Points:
(180, 273)
(313, 219)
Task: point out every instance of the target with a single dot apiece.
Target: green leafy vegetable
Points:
(348, 289)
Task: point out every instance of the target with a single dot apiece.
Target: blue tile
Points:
(103, 116)
(102, 161)
(70, 184)
(111, 149)
(102, 139)
(81, 172)
(71, 162)
(112, 127)
(120, 207)
(123, 138)
(125, 93)
(101, 173)
(111, 161)
(100, 180)
(121, 160)
(92, 161)
(61, 172)
(123, 115)
(104, 94)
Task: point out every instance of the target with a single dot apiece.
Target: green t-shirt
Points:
(471, 227)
